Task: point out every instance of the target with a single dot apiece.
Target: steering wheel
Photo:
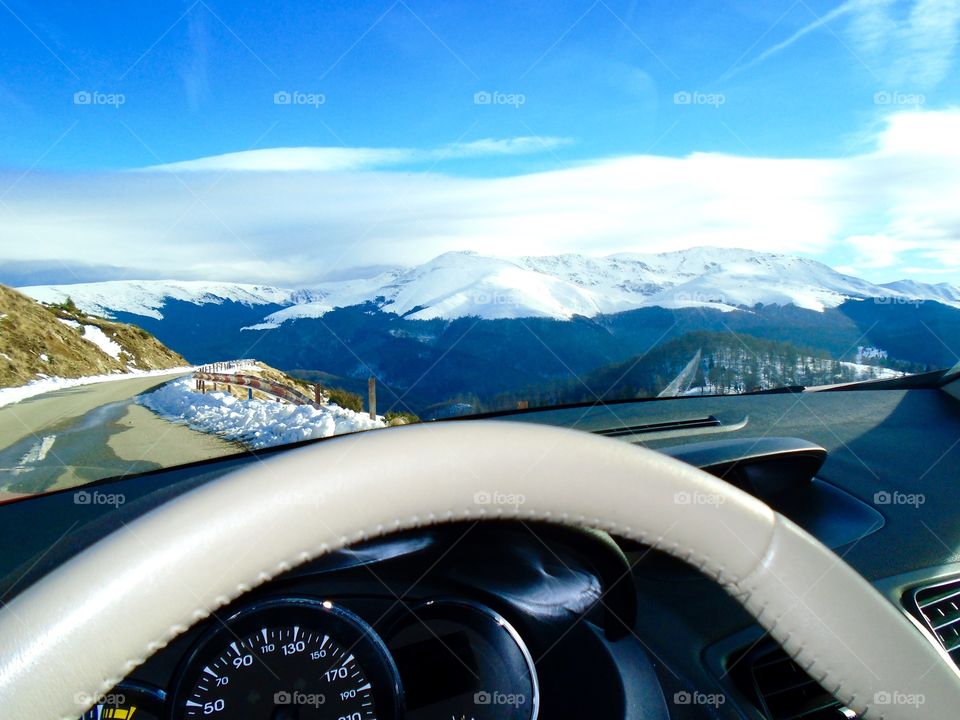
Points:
(83, 627)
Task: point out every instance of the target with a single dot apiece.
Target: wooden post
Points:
(523, 404)
(317, 396)
(372, 393)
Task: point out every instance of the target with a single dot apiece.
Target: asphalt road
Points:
(70, 437)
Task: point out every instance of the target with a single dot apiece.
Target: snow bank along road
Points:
(74, 435)
(255, 423)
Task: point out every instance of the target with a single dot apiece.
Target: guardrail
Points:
(275, 389)
(218, 373)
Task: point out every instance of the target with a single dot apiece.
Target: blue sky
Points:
(473, 102)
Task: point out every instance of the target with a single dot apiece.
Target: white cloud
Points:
(878, 212)
(877, 251)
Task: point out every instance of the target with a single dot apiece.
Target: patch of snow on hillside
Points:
(98, 337)
(255, 423)
(871, 372)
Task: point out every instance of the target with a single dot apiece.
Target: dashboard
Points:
(464, 621)
(523, 620)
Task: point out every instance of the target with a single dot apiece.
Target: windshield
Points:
(230, 226)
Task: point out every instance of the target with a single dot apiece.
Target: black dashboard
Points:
(475, 620)
(521, 620)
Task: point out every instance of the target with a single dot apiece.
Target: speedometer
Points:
(287, 659)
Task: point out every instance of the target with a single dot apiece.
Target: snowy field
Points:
(255, 423)
(49, 384)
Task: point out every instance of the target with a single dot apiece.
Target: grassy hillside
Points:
(49, 341)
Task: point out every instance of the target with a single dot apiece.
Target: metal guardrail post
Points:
(372, 397)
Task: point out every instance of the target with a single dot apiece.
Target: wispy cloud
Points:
(839, 11)
(333, 159)
(915, 46)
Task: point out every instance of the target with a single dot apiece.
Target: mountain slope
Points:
(38, 341)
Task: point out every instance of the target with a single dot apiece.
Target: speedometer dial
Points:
(289, 660)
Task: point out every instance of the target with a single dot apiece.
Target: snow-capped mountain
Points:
(723, 279)
(464, 284)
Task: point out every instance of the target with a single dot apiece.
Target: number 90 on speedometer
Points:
(287, 659)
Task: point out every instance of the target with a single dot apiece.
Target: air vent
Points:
(781, 689)
(939, 609)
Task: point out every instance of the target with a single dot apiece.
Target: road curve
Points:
(72, 436)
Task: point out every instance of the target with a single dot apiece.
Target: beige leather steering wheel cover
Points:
(83, 627)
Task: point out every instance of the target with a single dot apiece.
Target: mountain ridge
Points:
(468, 284)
